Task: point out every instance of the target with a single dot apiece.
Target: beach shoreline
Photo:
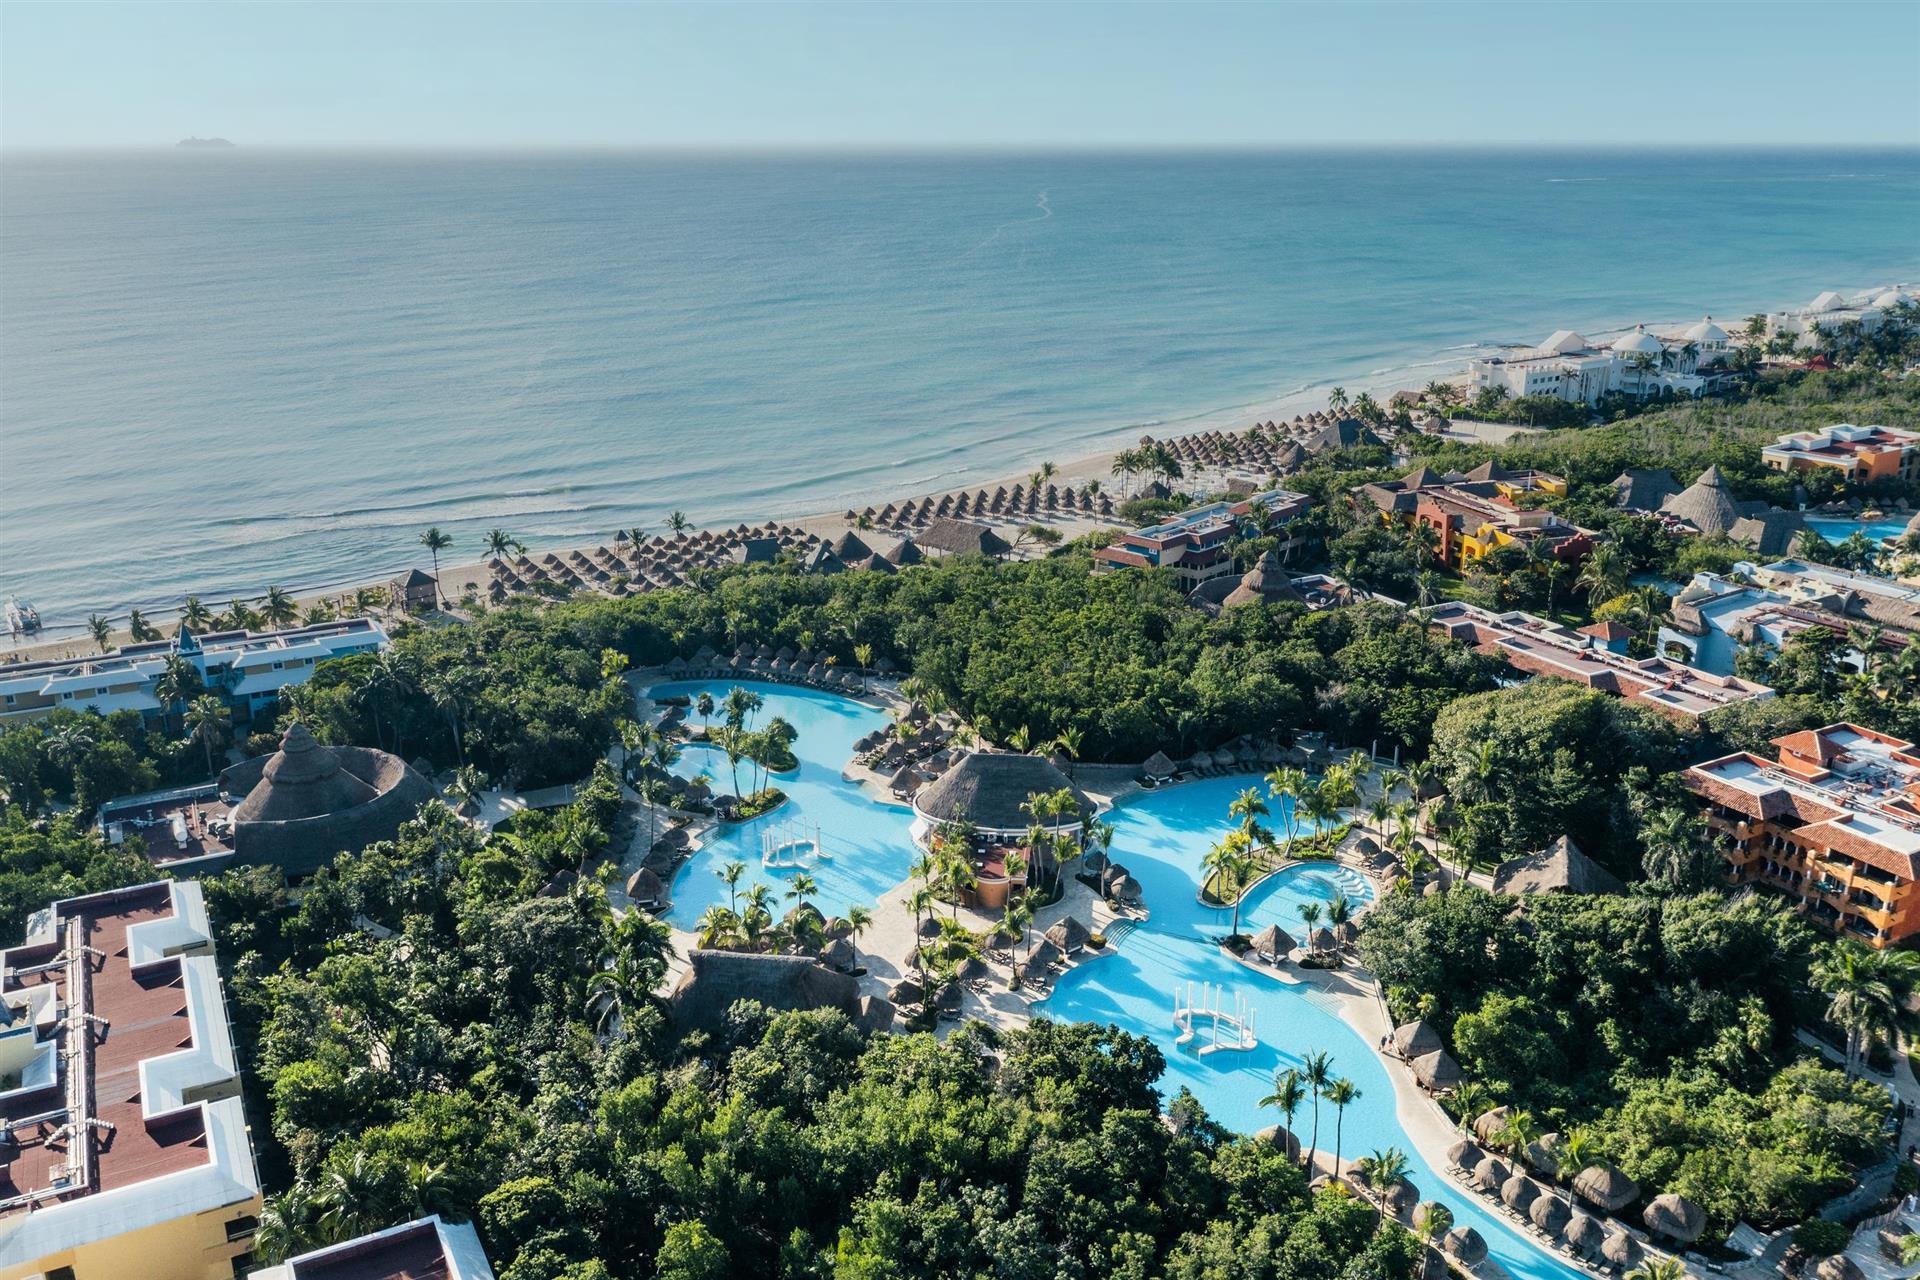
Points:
(69, 639)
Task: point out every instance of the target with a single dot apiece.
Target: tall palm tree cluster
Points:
(1868, 992)
(1249, 849)
(1313, 1080)
(767, 748)
(748, 922)
(1152, 459)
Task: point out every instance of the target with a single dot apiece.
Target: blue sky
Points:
(911, 74)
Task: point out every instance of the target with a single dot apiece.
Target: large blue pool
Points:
(867, 839)
(1840, 528)
(1161, 837)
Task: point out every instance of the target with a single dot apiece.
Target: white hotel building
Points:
(246, 668)
(1831, 310)
(1568, 367)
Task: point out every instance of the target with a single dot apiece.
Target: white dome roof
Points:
(1705, 331)
(1890, 299)
(1639, 342)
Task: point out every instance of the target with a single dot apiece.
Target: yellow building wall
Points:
(190, 1248)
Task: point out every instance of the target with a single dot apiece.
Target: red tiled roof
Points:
(1608, 630)
(414, 1254)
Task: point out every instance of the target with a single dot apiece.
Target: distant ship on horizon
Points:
(203, 142)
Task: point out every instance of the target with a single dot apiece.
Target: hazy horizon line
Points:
(953, 148)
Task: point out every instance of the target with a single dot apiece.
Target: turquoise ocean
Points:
(224, 370)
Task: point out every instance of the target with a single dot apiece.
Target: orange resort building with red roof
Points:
(1832, 822)
(1859, 453)
(1475, 513)
(124, 1151)
(1194, 544)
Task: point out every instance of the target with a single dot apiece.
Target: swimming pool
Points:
(1840, 528)
(1161, 837)
(868, 840)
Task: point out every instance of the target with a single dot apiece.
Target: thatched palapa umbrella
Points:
(1488, 1125)
(1416, 1039)
(1492, 1174)
(1466, 1246)
(1583, 1232)
(1605, 1186)
(1549, 1213)
(1436, 1071)
(1519, 1192)
(1675, 1218)
(1465, 1155)
(1620, 1248)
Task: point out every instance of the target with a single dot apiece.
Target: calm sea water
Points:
(225, 370)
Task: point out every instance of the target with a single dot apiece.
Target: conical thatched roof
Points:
(1605, 1186)
(1519, 1191)
(1561, 867)
(1492, 1174)
(1437, 1070)
(1266, 581)
(1465, 1155)
(1278, 1135)
(302, 780)
(876, 1014)
(1157, 765)
(1043, 956)
(1488, 1124)
(1069, 935)
(838, 955)
(1707, 504)
(1675, 1217)
(906, 991)
(989, 788)
(1583, 1231)
(1416, 1039)
(930, 927)
(1549, 1213)
(646, 888)
(716, 979)
(1620, 1248)
(1465, 1244)
(1274, 941)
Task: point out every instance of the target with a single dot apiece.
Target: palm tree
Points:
(1381, 1168)
(179, 684)
(1288, 1093)
(1310, 917)
(704, 705)
(1659, 1268)
(67, 743)
(677, 522)
(102, 632)
(195, 616)
(1067, 743)
(1867, 991)
(352, 1196)
(500, 544)
(859, 919)
(1337, 401)
(1603, 573)
(207, 725)
(717, 926)
(1341, 1092)
(1577, 1151)
(435, 542)
(140, 629)
(1317, 1073)
(801, 887)
(1432, 1220)
(730, 874)
(279, 608)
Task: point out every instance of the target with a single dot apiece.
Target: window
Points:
(241, 1227)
